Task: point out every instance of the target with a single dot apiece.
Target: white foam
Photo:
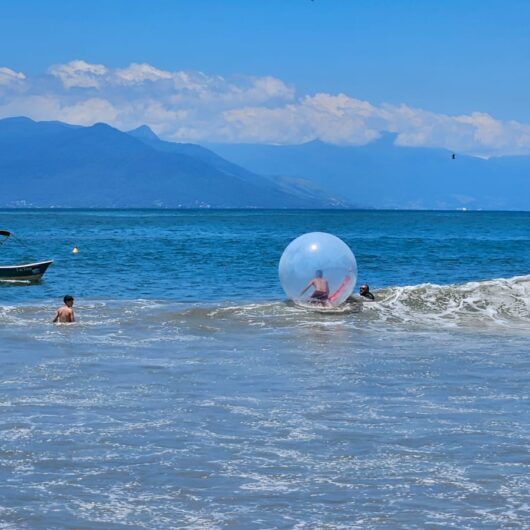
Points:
(494, 304)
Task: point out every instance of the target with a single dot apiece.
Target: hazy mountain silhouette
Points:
(386, 175)
(55, 164)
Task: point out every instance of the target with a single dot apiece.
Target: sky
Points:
(451, 74)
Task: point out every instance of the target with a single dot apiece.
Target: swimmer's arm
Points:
(56, 318)
(72, 316)
(307, 287)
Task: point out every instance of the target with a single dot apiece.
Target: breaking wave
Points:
(500, 303)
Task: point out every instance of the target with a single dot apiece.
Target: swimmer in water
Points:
(321, 292)
(364, 291)
(65, 314)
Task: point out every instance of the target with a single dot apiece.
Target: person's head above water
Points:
(68, 300)
(319, 273)
(364, 291)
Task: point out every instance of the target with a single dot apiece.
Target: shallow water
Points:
(190, 395)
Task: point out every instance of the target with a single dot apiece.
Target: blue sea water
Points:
(191, 395)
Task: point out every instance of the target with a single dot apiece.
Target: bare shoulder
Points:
(64, 314)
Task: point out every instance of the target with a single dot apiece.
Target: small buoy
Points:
(75, 250)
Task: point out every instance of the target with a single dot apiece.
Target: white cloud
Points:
(334, 119)
(45, 107)
(79, 74)
(139, 73)
(340, 119)
(10, 77)
(195, 106)
(263, 89)
(89, 111)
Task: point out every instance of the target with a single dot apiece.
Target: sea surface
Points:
(190, 394)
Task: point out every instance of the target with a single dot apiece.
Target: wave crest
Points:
(500, 302)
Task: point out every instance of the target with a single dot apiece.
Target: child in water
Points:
(65, 313)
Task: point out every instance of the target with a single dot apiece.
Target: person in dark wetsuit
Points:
(321, 292)
(364, 291)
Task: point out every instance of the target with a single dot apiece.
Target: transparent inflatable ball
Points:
(318, 270)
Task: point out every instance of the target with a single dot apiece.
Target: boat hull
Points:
(29, 272)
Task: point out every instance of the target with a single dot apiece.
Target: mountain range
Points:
(383, 174)
(44, 164)
(53, 164)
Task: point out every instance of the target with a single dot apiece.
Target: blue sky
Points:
(448, 58)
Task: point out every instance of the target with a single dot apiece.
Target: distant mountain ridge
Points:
(55, 164)
(45, 164)
(385, 175)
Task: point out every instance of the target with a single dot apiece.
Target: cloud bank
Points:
(199, 107)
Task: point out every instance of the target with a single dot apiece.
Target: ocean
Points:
(190, 394)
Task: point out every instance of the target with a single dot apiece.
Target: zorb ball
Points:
(318, 269)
